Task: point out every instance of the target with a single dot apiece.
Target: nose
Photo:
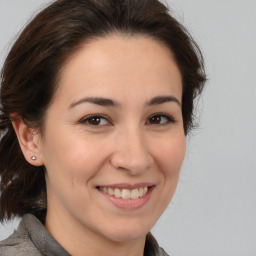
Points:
(131, 153)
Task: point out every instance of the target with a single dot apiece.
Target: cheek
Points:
(170, 154)
(70, 171)
(72, 160)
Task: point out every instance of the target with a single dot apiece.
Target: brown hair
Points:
(30, 75)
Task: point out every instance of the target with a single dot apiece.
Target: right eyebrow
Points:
(95, 100)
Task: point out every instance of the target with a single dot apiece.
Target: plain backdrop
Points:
(213, 212)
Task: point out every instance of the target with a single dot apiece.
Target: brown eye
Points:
(160, 119)
(95, 121)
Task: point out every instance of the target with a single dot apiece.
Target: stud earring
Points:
(33, 158)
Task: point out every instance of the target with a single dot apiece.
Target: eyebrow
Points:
(163, 99)
(97, 101)
(111, 103)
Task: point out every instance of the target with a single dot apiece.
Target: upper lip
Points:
(128, 186)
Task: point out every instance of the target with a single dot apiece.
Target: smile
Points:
(126, 196)
(125, 193)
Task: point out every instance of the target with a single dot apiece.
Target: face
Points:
(114, 142)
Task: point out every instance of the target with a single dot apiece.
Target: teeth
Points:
(141, 192)
(110, 191)
(134, 194)
(117, 192)
(125, 193)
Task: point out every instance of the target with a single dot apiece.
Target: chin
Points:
(129, 232)
(125, 236)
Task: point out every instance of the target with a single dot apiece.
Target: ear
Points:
(29, 140)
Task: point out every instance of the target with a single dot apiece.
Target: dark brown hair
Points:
(30, 75)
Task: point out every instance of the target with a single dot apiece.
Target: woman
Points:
(96, 100)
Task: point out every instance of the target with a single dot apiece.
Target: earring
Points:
(33, 158)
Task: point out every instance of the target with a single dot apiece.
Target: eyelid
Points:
(86, 118)
(170, 118)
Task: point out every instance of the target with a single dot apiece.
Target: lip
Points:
(128, 204)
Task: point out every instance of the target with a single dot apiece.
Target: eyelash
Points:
(160, 115)
(87, 119)
(99, 117)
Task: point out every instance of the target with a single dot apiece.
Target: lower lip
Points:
(129, 204)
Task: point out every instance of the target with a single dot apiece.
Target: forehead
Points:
(115, 63)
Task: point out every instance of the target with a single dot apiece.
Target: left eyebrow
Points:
(163, 99)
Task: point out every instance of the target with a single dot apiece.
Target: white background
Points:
(213, 212)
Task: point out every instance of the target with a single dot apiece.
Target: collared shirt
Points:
(32, 239)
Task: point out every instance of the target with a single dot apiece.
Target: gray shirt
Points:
(32, 239)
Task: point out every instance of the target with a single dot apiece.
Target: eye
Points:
(95, 120)
(160, 119)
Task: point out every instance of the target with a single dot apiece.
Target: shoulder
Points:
(18, 244)
(31, 239)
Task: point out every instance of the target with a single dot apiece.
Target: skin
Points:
(126, 145)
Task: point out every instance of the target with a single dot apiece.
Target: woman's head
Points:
(33, 87)
(114, 126)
